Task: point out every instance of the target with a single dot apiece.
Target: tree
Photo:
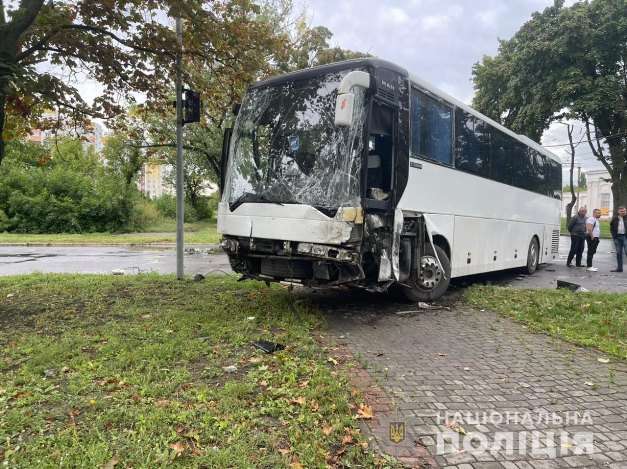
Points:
(127, 46)
(153, 128)
(565, 62)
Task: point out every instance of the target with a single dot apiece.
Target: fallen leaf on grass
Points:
(303, 384)
(263, 383)
(299, 400)
(178, 447)
(347, 439)
(365, 412)
(284, 451)
(327, 429)
(296, 465)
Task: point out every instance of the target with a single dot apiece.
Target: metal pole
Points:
(180, 206)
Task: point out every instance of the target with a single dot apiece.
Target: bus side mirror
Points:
(344, 102)
(344, 110)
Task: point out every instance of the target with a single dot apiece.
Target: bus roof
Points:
(376, 63)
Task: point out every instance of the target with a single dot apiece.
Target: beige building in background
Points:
(598, 195)
(152, 180)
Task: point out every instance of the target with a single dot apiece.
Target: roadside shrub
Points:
(144, 215)
(166, 205)
(204, 208)
(61, 199)
(4, 221)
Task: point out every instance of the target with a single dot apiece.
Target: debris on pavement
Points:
(117, 271)
(571, 286)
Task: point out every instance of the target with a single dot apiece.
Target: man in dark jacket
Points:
(617, 228)
(578, 231)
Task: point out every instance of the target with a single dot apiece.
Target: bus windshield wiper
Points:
(250, 197)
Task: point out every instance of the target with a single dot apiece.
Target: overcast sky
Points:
(438, 40)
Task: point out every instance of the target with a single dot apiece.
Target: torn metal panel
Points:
(396, 243)
(385, 266)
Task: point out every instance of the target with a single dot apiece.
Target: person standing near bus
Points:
(594, 232)
(577, 229)
(617, 228)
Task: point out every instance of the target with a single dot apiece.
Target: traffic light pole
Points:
(180, 206)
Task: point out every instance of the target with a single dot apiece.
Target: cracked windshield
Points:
(287, 149)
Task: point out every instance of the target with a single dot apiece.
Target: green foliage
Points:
(102, 371)
(594, 320)
(120, 45)
(144, 215)
(66, 191)
(566, 62)
(166, 206)
(202, 209)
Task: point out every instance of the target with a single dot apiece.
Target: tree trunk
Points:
(618, 173)
(573, 199)
(619, 190)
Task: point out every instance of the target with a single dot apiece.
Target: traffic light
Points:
(191, 106)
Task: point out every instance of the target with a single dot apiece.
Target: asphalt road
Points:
(15, 260)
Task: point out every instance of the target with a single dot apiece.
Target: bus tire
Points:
(533, 256)
(433, 281)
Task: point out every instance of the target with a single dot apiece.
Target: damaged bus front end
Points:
(311, 177)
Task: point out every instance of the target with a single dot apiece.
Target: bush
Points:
(205, 208)
(166, 205)
(63, 199)
(144, 215)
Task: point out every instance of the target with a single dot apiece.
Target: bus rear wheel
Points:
(533, 257)
(433, 280)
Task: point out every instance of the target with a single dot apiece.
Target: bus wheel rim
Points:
(533, 255)
(430, 272)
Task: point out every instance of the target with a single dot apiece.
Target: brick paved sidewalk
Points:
(451, 372)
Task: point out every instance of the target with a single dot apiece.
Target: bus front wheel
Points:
(434, 278)
(533, 256)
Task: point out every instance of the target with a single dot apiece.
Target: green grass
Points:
(605, 228)
(98, 370)
(202, 232)
(596, 320)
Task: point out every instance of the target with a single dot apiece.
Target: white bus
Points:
(360, 174)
